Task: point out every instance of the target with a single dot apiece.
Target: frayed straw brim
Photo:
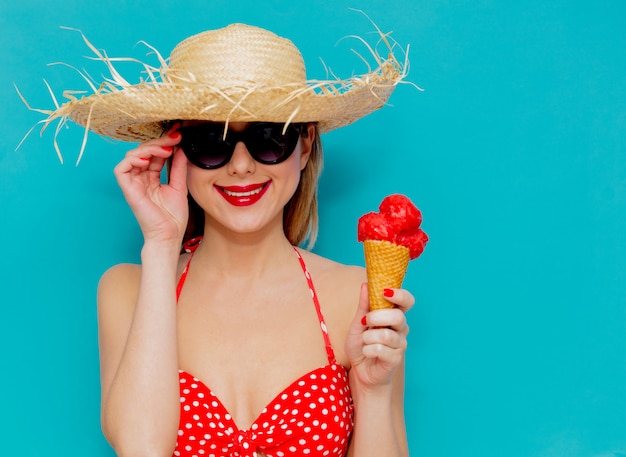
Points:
(137, 113)
(236, 74)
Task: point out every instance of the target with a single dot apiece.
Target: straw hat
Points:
(236, 73)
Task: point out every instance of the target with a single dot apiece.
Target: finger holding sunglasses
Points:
(161, 209)
(152, 155)
(147, 160)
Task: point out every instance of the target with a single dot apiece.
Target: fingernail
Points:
(167, 148)
(388, 293)
(144, 158)
(174, 134)
(364, 321)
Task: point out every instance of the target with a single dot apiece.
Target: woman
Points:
(244, 344)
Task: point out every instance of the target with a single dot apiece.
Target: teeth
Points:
(243, 194)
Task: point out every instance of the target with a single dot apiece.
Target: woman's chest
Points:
(247, 360)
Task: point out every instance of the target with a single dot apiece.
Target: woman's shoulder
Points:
(120, 283)
(124, 278)
(121, 271)
(331, 271)
(338, 286)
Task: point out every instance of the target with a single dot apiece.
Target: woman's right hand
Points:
(161, 209)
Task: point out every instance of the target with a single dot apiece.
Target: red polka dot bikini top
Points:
(313, 416)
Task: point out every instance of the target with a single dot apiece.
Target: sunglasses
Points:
(268, 143)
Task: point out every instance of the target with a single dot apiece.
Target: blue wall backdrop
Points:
(515, 151)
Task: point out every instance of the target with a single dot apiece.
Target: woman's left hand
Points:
(377, 340)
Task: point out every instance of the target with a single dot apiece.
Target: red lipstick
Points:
(243, 195)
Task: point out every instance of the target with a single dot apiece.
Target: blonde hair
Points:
(300, 219)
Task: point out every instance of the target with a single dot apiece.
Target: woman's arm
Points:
(138, 359)
(376, 346)
(137, 311)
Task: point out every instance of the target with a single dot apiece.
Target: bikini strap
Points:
(190, 246)
(320, 316)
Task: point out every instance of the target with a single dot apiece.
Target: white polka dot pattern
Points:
(312, 417)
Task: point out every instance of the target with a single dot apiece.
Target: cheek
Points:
(294, 173)
(196, 182)
(190, 180)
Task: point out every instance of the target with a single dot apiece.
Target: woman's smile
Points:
(243, 195)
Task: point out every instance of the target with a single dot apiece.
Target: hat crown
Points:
(238, 56)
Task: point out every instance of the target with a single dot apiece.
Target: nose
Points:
(241, 163)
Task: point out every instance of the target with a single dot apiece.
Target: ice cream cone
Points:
(386, 264)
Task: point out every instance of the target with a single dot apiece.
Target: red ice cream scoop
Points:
(391, 237)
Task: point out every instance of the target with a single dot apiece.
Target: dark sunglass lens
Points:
(269, 145)
(204, 145)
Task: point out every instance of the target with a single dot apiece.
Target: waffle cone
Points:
(386, 264)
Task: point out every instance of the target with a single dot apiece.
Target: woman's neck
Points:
(247, 254)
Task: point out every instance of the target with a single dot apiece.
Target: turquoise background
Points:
(515, 151)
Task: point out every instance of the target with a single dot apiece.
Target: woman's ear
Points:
(306, 144)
